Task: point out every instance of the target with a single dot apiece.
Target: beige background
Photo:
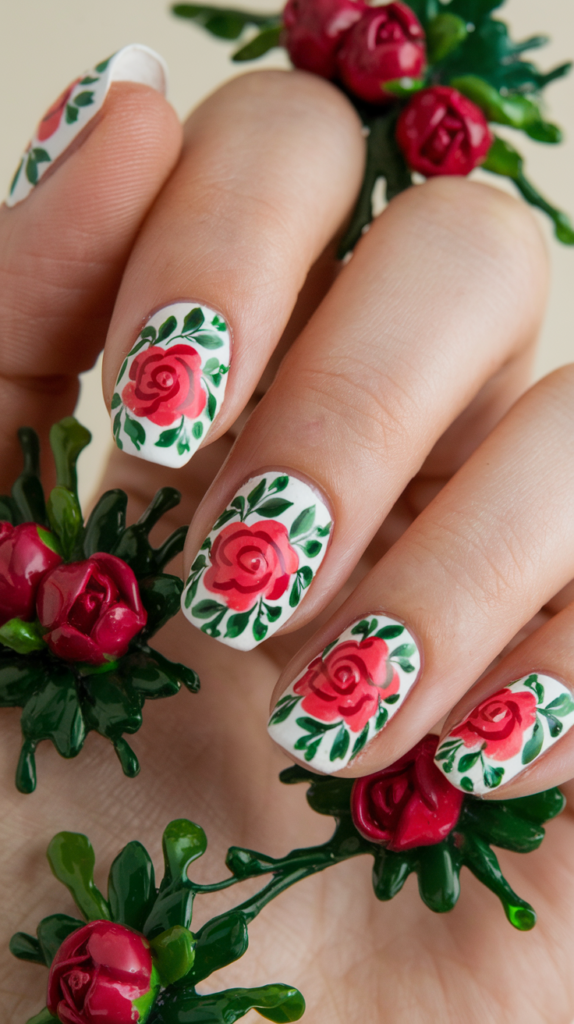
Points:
(44, 44)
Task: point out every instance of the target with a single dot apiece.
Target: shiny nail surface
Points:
(347, 694)
(76, 106)
(171, 384)
(259, 559)
(505, 733)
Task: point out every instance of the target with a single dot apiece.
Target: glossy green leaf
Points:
(111, 705)
(53, 930)
(303, 523)
(193, 320)
(65, 517)
(220, 942)
(27, 491)
(131, 886)
(481, 860)
(161, 597)
(256, 494)
(183, 842)
(54, 713)
(68, 438)
(43, 1017)
(497, 824)
(127, 758)
(133, 545)
(72, 859)
(444, 34)
(148, 677)
(182, 673)
(539, 807)
(174, 953)
(166, 328)
(278, 1003)
(226, 23)
(27, 947)
(330, 796)
(278, 484)
(273, 507)
(438, 873)
(266, 40)
(390, 872)
(515, 110)
(402, 88)
(22, 637)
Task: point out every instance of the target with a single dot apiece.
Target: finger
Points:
(63, 247)
(476, 565)
(402, 343)
(270, 169)
(511, 731)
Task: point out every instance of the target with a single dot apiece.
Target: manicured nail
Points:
(77, 105)
(505, 733)
(259, 559)
(171, 384)
(347, 694)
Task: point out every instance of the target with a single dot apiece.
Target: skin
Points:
(466, 534)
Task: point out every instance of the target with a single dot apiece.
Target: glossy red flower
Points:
(102, 974)
(499, 722)
(52, 118)
(442, 132)
(25, 558)
(313, 30)
(91, 609)
(408, 804)
(248, 562)
(387, 42)
(165, 384)
(347, 684)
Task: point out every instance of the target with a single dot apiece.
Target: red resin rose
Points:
(91, 609)
(442, 132)
(165, 384)
(408, 804)
(248, 562)
(388, 42)
(347, 683)
(500, 723)
(52, 118)
(24, 561)
(98, 973)
(313, 29)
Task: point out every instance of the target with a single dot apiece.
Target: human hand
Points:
(408, 364)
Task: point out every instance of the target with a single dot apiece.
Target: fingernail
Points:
(171, 384)
(77, 105)
(261, 556)
(347, 694)
(506, 732)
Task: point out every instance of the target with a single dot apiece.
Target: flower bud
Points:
(385, 44)
(313, 29)
(443, 132)
(25, 558)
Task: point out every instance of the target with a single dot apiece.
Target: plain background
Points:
(44, 44)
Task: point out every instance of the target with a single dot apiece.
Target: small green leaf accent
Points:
(467, 784)
(208, 340)
(148, 334)
(259, 630)
(444, 34)
(211, 405)
(534, 745)
(27, 947)
(305, 575)
(312, 548)
(403, 88)
(22, 637)
(123, 369)
(392, 699)
(131, 886)
(116, 400)
(561, 706)
(174, 953)
(273, 507)
(72, 859)
(260, 45)
(220, 942)
(197, 430)
(403, 651)
(278, 484)
(226, 23)
(303, 523)
(205, 609)
(340, 743)
(283, 709)
(272, 611)
(382, 715)
(53, 930)
(68, 438)
(390, 632)
(193, 320)
(135, 431)
(468, 761)
(43, 1017)
(237, 624)
(224, 518)
(257, 493)
(66, 520)
(360, 742)
(102, 66)
(84, 99)
(169, 437)
(492, 776)
(182, 843)
(166, 328)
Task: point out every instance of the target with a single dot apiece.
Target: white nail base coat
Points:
(259, 559)
(76, 107)
(505, 733)
(171, 384)
(347, 694)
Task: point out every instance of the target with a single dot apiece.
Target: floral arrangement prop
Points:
(428, 79)
(78, 604)
(137, 960)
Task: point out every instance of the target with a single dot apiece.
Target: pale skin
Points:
(406, 400)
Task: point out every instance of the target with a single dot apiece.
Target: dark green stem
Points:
(562, 224)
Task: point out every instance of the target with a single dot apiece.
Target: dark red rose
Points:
(25, 558)
(313, 29)
(442, 132)
(165, 384)
(408, 804)
(386, 43)
(98, 973)
(91, 609)
(52, 118)
(499, 722)
(347, 683)
(248, 562)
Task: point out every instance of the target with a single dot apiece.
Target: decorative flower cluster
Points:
(427, 79)
(78, 603)
(137, 960)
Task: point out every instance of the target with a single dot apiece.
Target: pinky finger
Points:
(513, 730)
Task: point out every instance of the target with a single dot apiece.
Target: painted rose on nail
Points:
(505, 733)
(347, 694)
(171, 384)
(258, 560)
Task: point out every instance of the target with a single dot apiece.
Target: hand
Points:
(389, 406)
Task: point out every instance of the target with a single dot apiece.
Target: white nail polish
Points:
(505, 733)
(261, 556)
(171, 384)
(77, 105)
(347, 694)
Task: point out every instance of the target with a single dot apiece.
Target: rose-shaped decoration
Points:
(91, 610)
(408, 804)
(313, 29)
(25, 558)
(443, 132)
(102, 974)
(386, 43)
(248, 562)
(165, 384)
(499, 723)
(347, 684)
(53, 117)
